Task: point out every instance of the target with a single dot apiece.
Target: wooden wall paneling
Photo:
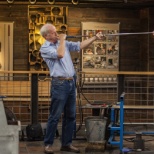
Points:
(151, 40)
(130, 51)
(144, 40)
(18, 15)
(129, 21)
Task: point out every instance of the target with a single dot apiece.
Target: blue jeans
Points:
(63, 94)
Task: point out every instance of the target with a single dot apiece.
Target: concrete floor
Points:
(36, 147)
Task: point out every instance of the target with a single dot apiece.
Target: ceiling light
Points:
(51, 2)
(32, 2)
(75, 2)
(10, 1)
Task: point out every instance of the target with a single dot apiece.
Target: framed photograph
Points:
(100, 62)
(112, 49)
(113, 38)
(112, 63)
(88, 62)
(100, 48)
(89, 50)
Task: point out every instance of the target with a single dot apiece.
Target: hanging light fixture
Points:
(10, 1)
(75, 2)
(51, 2)
(32, 1)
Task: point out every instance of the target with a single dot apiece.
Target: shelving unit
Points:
(38, 16)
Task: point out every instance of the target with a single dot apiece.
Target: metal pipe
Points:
(115, 34)
(138, 33)
(139, 123)
(77, 36)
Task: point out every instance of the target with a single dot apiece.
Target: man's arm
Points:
(89, 41)
(61, 47)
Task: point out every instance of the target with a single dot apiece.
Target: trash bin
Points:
(95, 128)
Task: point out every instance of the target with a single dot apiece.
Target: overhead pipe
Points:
(51, 2)
(10, 1)
(32, 2)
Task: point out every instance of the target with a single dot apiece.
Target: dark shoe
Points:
(48, 149)
(70, 148)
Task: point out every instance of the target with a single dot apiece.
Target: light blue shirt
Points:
(62, 67)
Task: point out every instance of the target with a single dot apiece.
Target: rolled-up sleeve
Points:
(73, 46)
(48, 52)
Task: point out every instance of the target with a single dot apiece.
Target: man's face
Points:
(52, 35)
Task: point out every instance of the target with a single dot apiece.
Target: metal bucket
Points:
(95, 128)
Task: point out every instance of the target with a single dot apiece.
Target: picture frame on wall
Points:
(101, 55)
(107, 48)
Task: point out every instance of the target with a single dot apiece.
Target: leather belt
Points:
(63, 78)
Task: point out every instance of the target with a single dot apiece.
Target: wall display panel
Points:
(38, 16)
(101, 55)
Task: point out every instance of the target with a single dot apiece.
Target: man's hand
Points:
(62, 37)
(99, 36)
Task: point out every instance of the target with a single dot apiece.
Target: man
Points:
(56, 53)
